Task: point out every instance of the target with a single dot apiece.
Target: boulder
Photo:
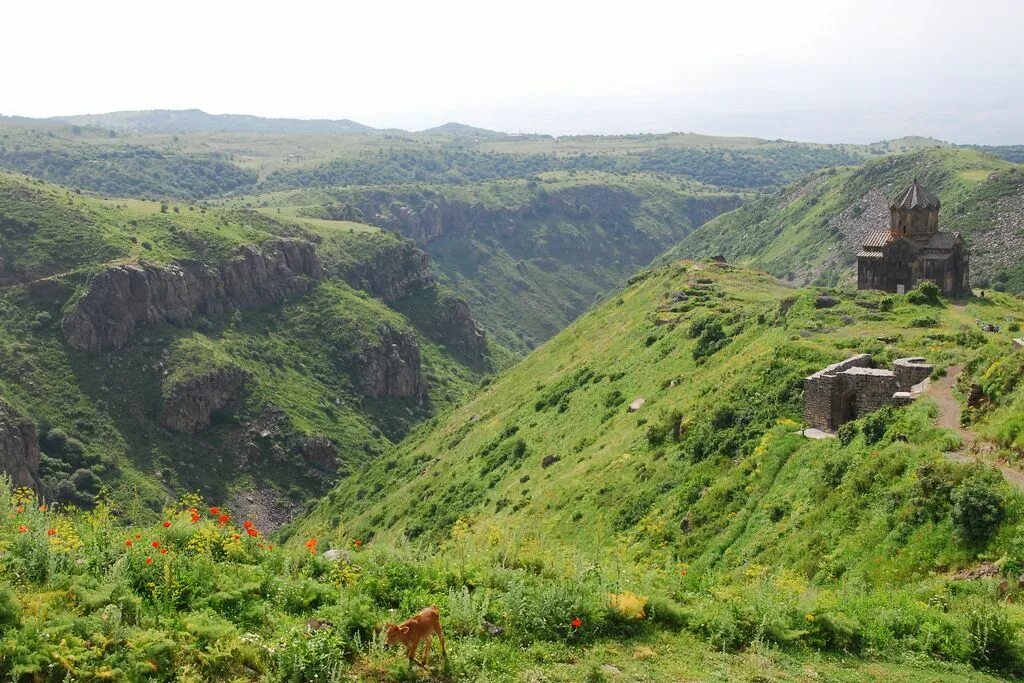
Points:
(637, 404)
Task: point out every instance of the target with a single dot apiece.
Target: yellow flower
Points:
(809, 617)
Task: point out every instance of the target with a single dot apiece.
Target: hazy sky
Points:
(846, 70)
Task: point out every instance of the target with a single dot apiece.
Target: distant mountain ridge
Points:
(198, 121)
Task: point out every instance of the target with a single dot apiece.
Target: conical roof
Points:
(915, 197)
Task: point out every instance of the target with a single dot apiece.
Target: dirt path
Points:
(941, 391)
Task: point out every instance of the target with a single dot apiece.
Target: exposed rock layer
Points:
(189, 406)
(391, 368)
(392, 271)
(123, 297)
(19, 448)
(426, 221)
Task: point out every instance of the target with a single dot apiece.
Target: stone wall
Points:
(852, 388)
(873, 389)
(910, 372)
(822, 389)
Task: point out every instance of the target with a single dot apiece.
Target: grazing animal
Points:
(410, 632)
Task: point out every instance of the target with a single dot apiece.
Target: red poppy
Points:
(43, 508)
(252, 532)
(577, 622)
(270, 546)
(163, 551)
(155, 544)
(235, 536)
(138, 537)
(149, 560)
(195, 517)
(19, 509)
(311, 545)
(224, 519)
(357, 543)
(167, 525)
(128, 542)
(214, 511)
(51, 532)
(247, 524)
(22, 528)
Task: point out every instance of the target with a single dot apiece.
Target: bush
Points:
(9, 611)
(992, 638)
(926, 294)
(978, 506)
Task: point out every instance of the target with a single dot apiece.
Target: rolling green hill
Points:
(558, 465)
(168, 348)
(810, 231)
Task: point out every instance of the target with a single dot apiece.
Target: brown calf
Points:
(410, 632)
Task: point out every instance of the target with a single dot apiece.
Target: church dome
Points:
(916, 197)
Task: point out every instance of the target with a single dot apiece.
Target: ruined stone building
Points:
(913, 249)
(853, 388)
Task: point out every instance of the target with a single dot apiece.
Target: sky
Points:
(821, 70)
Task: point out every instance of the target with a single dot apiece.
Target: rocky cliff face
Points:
(391, 368)
(453, 325)
(426, 221)
(189, 406)
(123, 297)
(392, 271)
(19, 448)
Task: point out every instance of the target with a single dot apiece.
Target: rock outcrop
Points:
(189, 406)
(392, 271)
(455, 327)
(19, 448)
(123, 297)
(391, 368)
(319, 452)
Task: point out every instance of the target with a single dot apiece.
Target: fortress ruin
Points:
(853, 388)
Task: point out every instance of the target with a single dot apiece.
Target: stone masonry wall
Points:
(911, 371)
(820, 392)
(874, 389)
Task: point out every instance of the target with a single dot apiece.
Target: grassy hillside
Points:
(707, 487)
(308, 405)
(529, 255)
(565, 536)
(810, 231)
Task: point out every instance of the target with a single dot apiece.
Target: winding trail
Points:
(941, 391)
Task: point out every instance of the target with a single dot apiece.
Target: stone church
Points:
(913, 250)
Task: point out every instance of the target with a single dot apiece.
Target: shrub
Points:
(925, 294)
(874, 425)
(992, 638)
(978, 506)
(8, 608)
